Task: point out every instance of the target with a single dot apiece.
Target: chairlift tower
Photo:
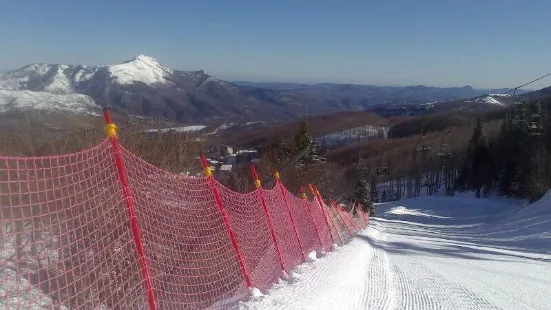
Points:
(535, 121)
(445, 151)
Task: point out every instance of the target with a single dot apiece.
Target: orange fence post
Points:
(318, 199)
(363, 214)
(329, 213)
(303, 196)
(340, 216)
(317, 194)
(226, 219)
(258, 186)
(360, 214)
(349, 217)
(286, 202)
(111, 129)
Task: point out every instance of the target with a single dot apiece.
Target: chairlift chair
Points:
(382, 170)
(535, 125)
(423, 148)
(518, 112)
(445, 151)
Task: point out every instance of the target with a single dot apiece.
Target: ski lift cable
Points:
(480, 103)
(477, 104)
(504, 93)
(443, 117)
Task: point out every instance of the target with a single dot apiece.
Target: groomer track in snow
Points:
(432, 253)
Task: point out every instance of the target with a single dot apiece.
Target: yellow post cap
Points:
(111, 130)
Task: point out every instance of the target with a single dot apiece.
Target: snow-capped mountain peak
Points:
(146, 59)
(143, 69)
(73, 88)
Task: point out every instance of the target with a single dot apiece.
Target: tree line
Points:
(509, 155)
(516, 162)
(490, 153)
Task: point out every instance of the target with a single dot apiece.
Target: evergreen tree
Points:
(283, 150)
(537, 180)
(509, 153)
(477, 172)
(374, 195)
(304, 140)
(522, 160)
(362, 195)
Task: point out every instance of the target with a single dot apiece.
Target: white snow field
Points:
(431, 253)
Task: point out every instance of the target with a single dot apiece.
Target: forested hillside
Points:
(517, 161)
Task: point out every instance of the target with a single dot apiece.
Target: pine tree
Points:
(374, 195)
(304, 140)
(478, 171)
(362, 195)
(509, 153)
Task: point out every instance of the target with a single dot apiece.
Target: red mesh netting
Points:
(66, 238)
(287, 240)
(343, 233)
(249, 221)
(353, 224)
(192, 261)
(364, 216)
(324, 227)
(305, 224)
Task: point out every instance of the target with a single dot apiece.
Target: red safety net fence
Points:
(77, 232)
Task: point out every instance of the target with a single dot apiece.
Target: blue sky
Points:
(483, 43)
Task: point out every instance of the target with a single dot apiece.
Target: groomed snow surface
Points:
(431, 253)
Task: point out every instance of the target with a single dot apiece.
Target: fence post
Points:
(354, 209)
(111, 129)
(325, 215)
(303, 196)
(340, 216)
(329, 213)
(286, 202)
(360, 213)
(366, 219)
(226, 219)
(351, 217)
(364, 215)
(258, 186)
(347, 216)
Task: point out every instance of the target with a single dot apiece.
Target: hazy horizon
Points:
(311, 81)
(426, 42)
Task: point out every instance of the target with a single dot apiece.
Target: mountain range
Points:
(143, 87)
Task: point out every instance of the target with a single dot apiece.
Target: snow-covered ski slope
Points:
(431, 253)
